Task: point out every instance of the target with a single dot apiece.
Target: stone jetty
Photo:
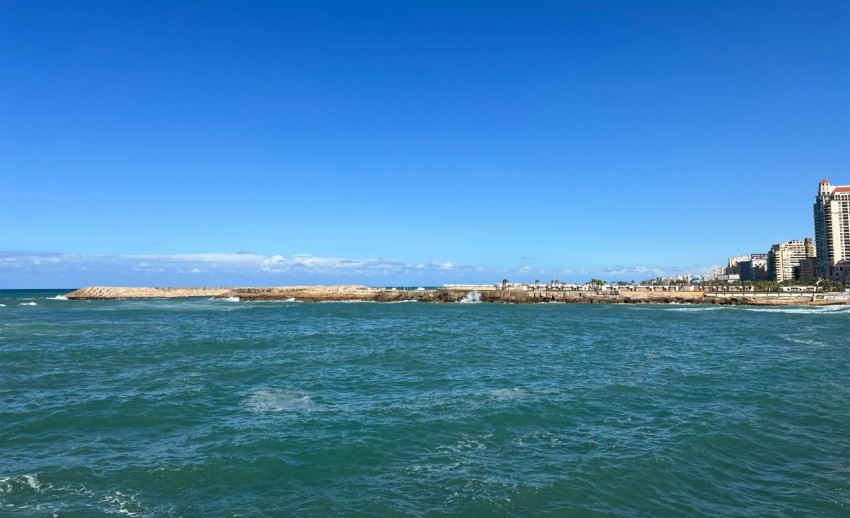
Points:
(116, 292)
(449, 294)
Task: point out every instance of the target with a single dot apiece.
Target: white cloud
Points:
(215, 258)
(634, 270)
(46, 260)
(256, 269)
(275, 259)
(238, 262)
(146, 267)
(644, 272)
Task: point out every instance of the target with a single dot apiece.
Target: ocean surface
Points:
(198, 407)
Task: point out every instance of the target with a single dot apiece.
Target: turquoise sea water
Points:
(214, 408)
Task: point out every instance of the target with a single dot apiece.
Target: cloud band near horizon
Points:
(20, 269)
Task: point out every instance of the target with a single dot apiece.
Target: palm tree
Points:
(505, 284)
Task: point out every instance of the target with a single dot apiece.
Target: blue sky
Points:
(411, 143)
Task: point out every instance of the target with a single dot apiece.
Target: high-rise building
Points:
(809, 269)
(832, 227)
(786, 261)
(754, 268)
(733, 265)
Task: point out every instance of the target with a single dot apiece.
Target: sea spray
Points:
(471, 297)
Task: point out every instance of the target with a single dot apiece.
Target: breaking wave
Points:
(28, 493)
(471, 297)
(16, 484)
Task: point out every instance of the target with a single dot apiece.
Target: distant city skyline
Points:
(214, 143)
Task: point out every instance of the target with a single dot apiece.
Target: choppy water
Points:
(217, 408)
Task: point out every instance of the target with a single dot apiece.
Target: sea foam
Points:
(10, 485)
(713, 308)
(278, 400)
(804, 310)
(508, 394)
(471, 297)
(803, 341)
(122, 503)
(28, 304)
(58, 297)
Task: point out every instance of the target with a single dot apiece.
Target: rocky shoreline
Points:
(450, 295)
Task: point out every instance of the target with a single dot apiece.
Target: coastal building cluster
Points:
(807, 260)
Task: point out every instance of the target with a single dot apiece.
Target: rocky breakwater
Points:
(591, 297)
(302, 294)
(337, 294)
(495, 295)
(117, 292)
(777, 299)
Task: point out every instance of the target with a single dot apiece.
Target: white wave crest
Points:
(230, 299)
(713, 308)
(804, 310)
(352, 301)
(115, 502)
(508, 394)
(471, 298)
(32, 481)
(2, 305)
(121, 503)
(803, 341)
(58, 297)
(28, 304)
(277, 400)
(9, 485)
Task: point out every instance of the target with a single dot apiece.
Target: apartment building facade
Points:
(787, 261)
(832, 229)
(754, 268)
